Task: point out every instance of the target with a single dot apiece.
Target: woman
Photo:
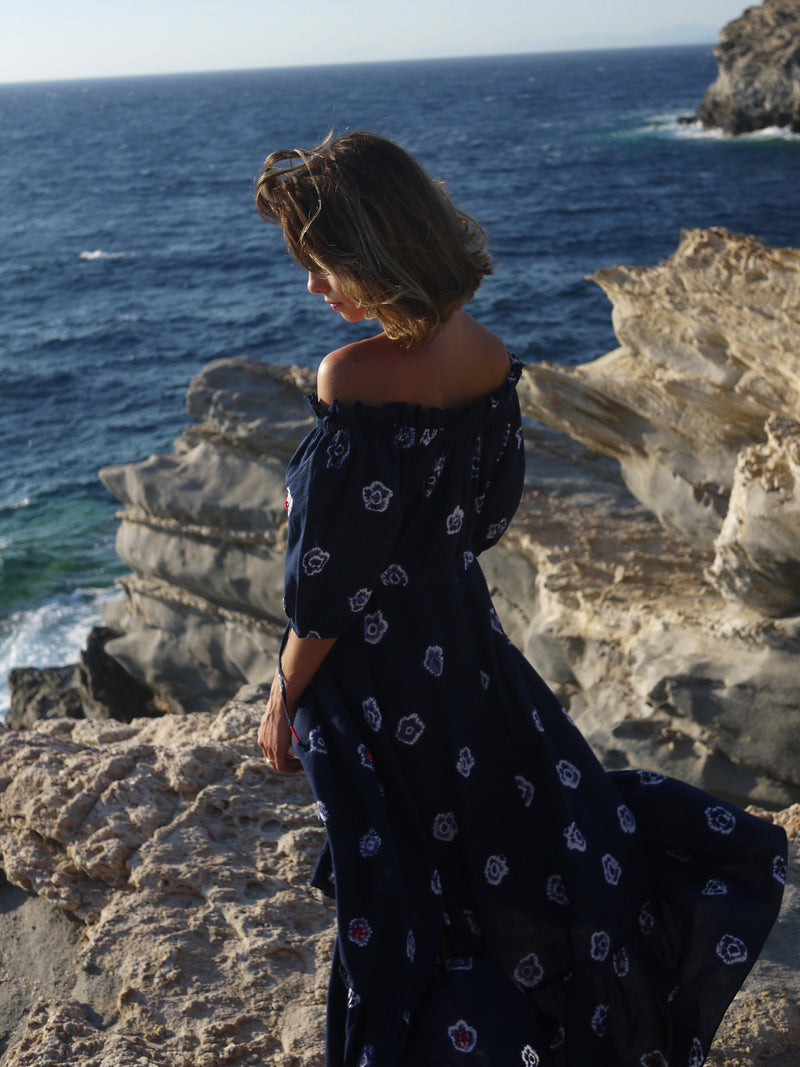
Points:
(501, 900)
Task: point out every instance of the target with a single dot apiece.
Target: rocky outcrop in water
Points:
(759, 71)
(158, 910)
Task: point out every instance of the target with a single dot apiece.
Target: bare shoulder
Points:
(353, 371)
(464, 362)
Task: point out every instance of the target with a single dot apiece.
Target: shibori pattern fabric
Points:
(501, 900)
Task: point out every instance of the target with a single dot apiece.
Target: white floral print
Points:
(455, 520)
(621, 963)
(339, 449)
(529, 971)
(409, 729)
(358, 601)
(601, 945)
(314, 560)
(779, 869)
(600, 1020)
(714, 888)
(611, 869)
(574, 838)
(469, 559)
(651, 778)
(372, 713)
(370, 843)
(465, 762)
(411, 946)
(697, 1056)
(537, 720)
(427, 436)
(732, 950)
(556, 890)
(654, 1059)
(568, 773)
(433, 477)
(376, 496)
(720, 820)
(445, 826)
(434, 660)
(485, 679)
(394, 575)
(289, 501)
(367, 1057)
(436, 884)
(316, 742)
(322, 811)
(496, 529)
(405, 437)
(359, 932)
(495, 870)
(530, 1057)
(526, 790)
(366, 758)
(463, 1036)
(626, 819)
(375, 626)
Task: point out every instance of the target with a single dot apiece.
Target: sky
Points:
(105, 38)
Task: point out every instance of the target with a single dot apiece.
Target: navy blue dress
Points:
(501, 900)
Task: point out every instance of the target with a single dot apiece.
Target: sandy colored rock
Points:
(709, 353)
(185, 862)
(173, 925)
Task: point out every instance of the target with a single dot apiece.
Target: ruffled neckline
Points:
(398, 411)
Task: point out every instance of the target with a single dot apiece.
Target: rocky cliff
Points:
(159, 912)
(621, 613)
(700, 404)
(759, 71)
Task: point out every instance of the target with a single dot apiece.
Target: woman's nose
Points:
(317, 283)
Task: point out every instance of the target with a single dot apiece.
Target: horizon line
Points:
(557, 50)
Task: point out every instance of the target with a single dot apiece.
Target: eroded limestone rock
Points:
(186, 861)
(709, 352)
(758, 549)
(195, 940)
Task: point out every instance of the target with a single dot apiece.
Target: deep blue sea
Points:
(131, 253)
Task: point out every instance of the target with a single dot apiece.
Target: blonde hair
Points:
(360, 208)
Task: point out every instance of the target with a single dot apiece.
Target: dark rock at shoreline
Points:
(95, 688)
(105, 688)
(759, 71)
(42, 693)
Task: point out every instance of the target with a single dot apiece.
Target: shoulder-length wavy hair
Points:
(360, 208)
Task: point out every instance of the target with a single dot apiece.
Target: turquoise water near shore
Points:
(132, 255)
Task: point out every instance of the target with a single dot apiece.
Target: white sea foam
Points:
(98, 253)
(49, 636)
(671, 126)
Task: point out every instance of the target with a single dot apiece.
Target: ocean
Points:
(132, 254)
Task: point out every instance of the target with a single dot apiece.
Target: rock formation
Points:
(613, 608)
(709, 353)
(759, 71)
(159, 911)
(195, 940)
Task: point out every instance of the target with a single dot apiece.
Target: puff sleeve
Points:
(345, 505)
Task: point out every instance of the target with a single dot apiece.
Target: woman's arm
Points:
(300, 661)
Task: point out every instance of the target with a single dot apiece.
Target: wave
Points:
(51, 635)
(680, 125)
(98, 253)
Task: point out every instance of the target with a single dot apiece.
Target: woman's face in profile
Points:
(331, 290)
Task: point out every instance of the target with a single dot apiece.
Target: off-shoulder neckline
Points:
(401, 411)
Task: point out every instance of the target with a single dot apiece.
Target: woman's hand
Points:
(274, 735)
